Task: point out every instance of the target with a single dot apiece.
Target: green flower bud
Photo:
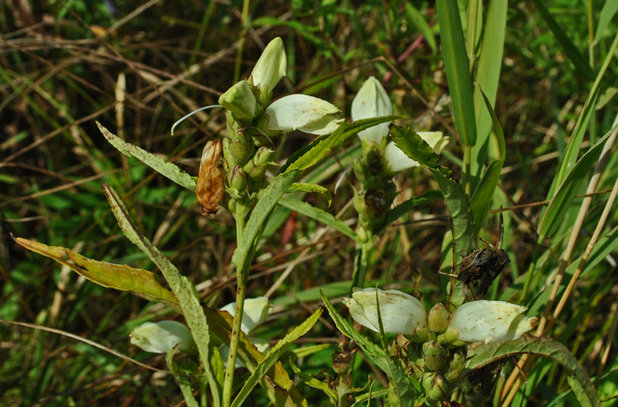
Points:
(237, 179)
(456, 367)
(438, 318)
(450, 336)
(237, 150)
(240, 100)
(420, 335)
(436, 355)
(458, 297)
(257, 166)
(435, 386)
(270, 68)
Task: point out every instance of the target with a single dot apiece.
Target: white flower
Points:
(302, 112)
(373, 101)
(160, 337)
(271, 66)
(490, 321)
(254, 312)
(401, 313)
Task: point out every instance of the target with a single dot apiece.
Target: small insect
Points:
(479, 268)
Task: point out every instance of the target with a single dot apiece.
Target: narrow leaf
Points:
(580, 383)
(410, 204)
(457, 74)
(167, 169)
(323, 145)
(273, 356)
(317, 214)
(308, 187)
(181, 287)
(117, 276)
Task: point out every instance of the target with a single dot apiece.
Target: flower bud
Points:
(162, 336)
(456, 367)
(257, 166)
(438, 318)
(240, 101)
(490, 321)
(401, 313)
(209, 189)
(238, 148)
(237, 180)
(372, 101)
(436, 356)
(435, 386)
(270, 68)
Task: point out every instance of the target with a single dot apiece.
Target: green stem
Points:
(362, 263)
(531, 268)
(241, 42)
(467, 150)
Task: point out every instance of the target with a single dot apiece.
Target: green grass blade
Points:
(483, 196)
(578, 379)
(572, 150)
(487, 78)
(273, 356)
(181, 287)
(167, 169)
(457, 73)
(576, 57)
(421, 24)
(606, 15)
(563, 198)
(311, 187)
(318, 214)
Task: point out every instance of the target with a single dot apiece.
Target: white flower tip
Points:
(160, 337)
(255, 312)
(401, 313)
(271, 66)
(372, 101)
(302, 112)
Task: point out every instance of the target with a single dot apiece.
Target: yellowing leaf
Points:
(118, 276)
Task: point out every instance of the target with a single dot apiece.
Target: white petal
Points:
(239, 100)
(399, 161)
(372, 101)
(255, 312)
(271, 66)
(302, 112)
(160, 337)
(401, 313)
(490, 321)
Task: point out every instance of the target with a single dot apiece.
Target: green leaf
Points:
(318, 214)
(180, 286)
(483, 196)
(457, 74)
(314, 383)
(408, 205)
(323, 145)
(605, 17)
(117, 276)
(421, 24)
(576, 57)
(565, 194)
(273, 356)
(266, 202)
(406, 387)
(308, 187)
(456, 200)
(486, 81)
(167, 169)
(579, 381)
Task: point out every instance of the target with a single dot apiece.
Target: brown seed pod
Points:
(210, 189)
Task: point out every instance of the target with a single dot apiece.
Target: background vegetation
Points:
(138, 68)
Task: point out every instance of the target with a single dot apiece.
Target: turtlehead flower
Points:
(373, 101)
(246, 99)
(255, 312)
(490, 321)
(401, 313)
(162, 336)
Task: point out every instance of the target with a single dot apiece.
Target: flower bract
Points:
(302, 112)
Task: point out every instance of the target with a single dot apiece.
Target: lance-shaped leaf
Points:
(118, 276)
(579, 381)
(167, 169)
